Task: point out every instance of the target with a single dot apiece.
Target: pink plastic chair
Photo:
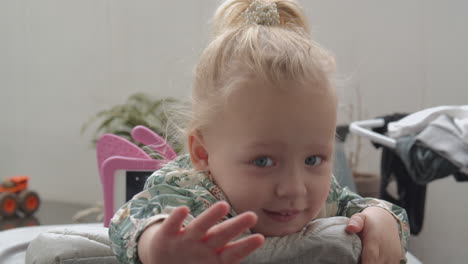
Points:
(116, 153)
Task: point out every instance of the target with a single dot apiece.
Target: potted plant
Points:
(139, 109)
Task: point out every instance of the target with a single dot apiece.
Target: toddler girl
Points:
(260, 144)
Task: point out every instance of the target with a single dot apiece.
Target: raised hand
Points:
(202, 241)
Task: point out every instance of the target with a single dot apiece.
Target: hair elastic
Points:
(262, 13)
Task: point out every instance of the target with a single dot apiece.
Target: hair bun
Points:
(237, 13)
(262, 13)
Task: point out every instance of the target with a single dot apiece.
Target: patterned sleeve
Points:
(344, 202)
(165, 190)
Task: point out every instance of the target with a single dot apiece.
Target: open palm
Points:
(203, 240)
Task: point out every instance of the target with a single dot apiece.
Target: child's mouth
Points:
(283, 215)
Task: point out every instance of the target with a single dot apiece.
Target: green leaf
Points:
(139, 109)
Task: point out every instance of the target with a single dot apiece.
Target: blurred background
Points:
(63, 61)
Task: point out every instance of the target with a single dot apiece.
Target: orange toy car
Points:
(14, 194)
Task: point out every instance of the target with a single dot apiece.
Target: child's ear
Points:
(198, 152)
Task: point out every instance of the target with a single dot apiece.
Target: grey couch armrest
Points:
(71, 246)
(321, 241)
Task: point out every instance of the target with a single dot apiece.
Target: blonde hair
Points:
(240, 50)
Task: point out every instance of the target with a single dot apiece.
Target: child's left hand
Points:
(379, 235)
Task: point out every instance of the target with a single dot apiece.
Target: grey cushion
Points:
(321, 241)
(71, 245)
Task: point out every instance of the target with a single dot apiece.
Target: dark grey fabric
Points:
(423, 163)
(445, 137)
(418, 160)
(411, 196)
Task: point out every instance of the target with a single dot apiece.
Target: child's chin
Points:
(278, 232)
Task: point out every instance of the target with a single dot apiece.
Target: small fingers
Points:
(197, 229)
(173, 224)
(356, 223)
(234, 252)
(219, 235)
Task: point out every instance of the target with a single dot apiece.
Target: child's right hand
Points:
(202, 241)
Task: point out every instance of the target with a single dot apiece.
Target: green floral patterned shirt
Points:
(178, 184)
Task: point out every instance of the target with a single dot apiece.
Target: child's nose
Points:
(291, 185)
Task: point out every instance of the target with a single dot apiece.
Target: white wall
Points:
(62, 61)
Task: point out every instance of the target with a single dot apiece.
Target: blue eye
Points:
(313, 160)
(263, 162)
